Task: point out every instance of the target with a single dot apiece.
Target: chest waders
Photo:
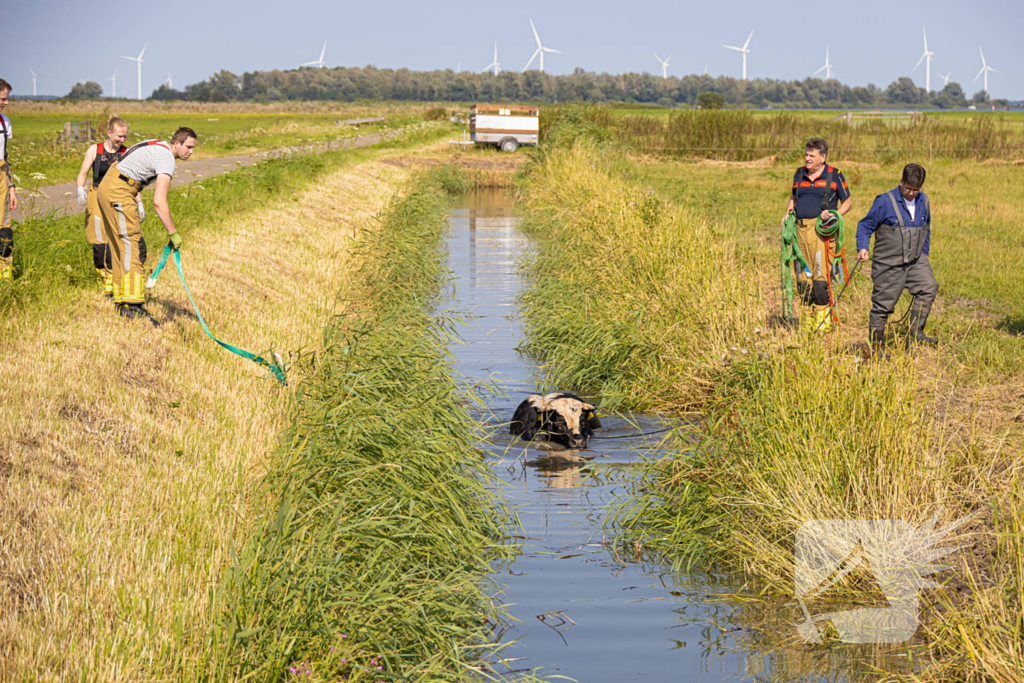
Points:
(900, 245)
(101, 259)
(900, 263)
(6, 233)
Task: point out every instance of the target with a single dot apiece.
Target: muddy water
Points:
(578, 609)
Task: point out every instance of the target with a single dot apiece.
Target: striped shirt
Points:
(146, 160)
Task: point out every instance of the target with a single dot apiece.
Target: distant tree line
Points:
(370, 83)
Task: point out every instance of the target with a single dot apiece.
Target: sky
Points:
(871, 41)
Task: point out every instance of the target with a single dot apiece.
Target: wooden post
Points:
(88, 130)
(67, 133)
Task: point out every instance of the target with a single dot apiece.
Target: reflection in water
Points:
(578, 609)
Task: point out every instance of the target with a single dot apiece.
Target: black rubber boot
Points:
(917, 330)
(132, 311)
(876, 348)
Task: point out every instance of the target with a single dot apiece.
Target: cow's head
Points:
(567, 416)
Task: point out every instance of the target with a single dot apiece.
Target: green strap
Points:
(838, 231)
(790, 254)
(273, 367)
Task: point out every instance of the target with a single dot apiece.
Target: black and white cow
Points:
(559, 417)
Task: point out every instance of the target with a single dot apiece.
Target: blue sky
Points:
(871, 41)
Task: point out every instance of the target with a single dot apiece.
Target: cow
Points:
(559, 417)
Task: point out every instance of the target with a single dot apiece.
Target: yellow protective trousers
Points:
(94, 236)
(6, 233)
(122, 232)
(814, 248)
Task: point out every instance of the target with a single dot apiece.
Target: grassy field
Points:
(138, 461)
(224, 130)
(656, 284)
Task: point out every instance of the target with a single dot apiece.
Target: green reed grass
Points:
(381, 525)
(743, 136)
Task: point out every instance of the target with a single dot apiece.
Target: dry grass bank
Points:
(128, 451)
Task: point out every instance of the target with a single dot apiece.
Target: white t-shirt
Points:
(146, 160)
(911, 206)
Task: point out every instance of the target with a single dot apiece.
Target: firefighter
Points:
(147, 162)
(817, 189)
(7, 192)
(901, 221)
(100, 158)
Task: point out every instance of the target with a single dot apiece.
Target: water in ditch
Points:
(578, 608)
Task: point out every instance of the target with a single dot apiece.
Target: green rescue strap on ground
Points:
(273, 367)
(790, 254)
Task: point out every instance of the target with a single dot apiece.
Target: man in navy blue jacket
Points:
(901, 222)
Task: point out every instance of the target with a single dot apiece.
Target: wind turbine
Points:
(744, 51)
(927, 59)
(169, 83)
(945, 79)
(34, 74)
(985, 68)
(320, 62)
(664, 64)
(540, 50)
(138, 61)
(113, 84)
(496, 65)
(827, 68)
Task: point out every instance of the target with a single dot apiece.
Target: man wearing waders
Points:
(7, 194)
(100, 158)
(117, 196)
(901, 222)
(817, 189)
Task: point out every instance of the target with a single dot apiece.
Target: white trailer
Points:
(505, 125)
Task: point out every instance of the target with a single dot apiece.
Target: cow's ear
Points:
(587, 406)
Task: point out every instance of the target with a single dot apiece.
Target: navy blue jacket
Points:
(881, 213)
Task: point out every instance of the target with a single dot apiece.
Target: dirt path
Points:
(63, 197)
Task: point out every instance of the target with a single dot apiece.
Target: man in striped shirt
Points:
(148, 162)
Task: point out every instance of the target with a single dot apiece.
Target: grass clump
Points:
(381, 525)
(619, 305)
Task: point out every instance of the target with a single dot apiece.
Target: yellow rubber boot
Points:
(823, 321)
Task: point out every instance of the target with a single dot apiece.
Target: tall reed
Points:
(630, 297)
(744, 136)
(381, 525)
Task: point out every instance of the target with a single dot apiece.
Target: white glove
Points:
(142, 212)
(83, 196)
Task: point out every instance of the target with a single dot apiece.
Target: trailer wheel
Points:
(508, 145)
